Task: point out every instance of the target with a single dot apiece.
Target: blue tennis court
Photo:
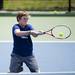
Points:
(51, 56)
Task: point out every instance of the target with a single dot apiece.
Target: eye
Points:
(25, 18)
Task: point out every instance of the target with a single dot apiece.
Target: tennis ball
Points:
(61, 34)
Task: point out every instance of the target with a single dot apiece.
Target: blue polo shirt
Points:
(22, 45)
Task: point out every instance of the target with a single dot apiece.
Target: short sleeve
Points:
(15, 27)
(30, 27)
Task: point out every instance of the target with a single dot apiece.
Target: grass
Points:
(34, 4)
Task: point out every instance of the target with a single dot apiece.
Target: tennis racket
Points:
(58, 32)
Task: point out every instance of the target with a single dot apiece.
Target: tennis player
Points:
(22, 45)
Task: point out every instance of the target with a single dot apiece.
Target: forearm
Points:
(35, 33)
(23, 33)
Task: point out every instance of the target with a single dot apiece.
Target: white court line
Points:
(42, 41)
(54, 41)
(28, 73)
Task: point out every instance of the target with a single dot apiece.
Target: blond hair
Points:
(22, 13)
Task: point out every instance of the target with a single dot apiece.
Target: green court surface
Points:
(39, 23)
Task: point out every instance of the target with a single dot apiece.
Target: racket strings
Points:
(59, 32)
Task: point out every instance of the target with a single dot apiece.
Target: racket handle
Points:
(41, 33)
(37, 32)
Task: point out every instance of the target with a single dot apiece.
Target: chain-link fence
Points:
(39, 5)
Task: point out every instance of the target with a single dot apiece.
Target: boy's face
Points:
(23, 21)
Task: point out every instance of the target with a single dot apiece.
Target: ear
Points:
(18, 19)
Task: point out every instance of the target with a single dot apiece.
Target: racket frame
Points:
(50, 30)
